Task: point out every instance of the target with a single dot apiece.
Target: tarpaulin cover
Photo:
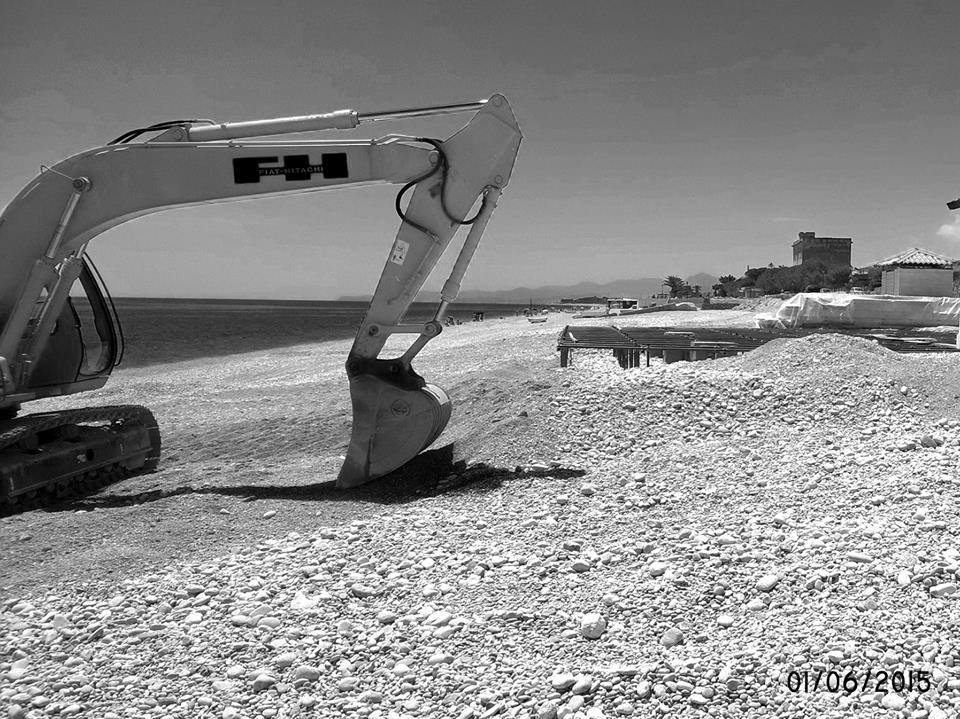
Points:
(836, 309)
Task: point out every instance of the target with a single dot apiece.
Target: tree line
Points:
(808, 277)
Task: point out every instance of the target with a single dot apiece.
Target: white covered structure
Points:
(834, 309)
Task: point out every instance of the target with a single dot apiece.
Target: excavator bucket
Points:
(396, 414)
(391, 426)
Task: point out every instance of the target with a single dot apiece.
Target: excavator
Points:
(60, 334)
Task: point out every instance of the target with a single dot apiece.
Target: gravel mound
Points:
(499, 407)
(816, 349)
(832, 356)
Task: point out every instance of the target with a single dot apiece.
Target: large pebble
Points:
(593, 625)
(657, 569)
(893, 701)
(262, 682)
(767, 582)
(942, 590)
(672, 637)
(306, 672)
(362, 590)
(286, 660)
(547, 710)
(582, 685)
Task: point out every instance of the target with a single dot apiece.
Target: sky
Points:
(660, 138)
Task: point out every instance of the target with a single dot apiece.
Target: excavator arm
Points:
(45, 230)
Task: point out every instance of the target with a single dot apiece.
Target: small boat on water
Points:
(537, 318)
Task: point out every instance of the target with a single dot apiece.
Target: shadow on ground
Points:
(429, 474)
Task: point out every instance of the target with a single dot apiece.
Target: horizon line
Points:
(275, 299)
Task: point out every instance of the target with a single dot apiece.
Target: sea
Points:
(172, 330)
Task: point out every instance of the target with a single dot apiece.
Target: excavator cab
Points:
(52, 454)
(84, 345)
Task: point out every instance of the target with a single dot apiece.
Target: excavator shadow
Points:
(431, 473)
(438, 472)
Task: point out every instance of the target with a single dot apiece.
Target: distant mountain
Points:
(642, 287)
(703, 279)
(639, 288)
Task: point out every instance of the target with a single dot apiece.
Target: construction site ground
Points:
(670, 540)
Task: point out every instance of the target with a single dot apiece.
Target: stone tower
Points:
(831, 251)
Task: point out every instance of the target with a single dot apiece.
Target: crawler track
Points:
(45, 458)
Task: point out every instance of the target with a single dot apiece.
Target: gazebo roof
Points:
(916, 257)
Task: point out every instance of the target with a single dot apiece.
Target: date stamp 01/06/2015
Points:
(881, 681)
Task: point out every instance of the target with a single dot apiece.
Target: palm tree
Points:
(677, 286)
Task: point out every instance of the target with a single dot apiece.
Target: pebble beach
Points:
(689, 539)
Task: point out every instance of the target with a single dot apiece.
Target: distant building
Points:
(831, 251)
(860, 280)
(917, 272)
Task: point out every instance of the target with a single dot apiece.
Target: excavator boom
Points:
(45, 230)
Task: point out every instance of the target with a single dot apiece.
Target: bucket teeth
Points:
(391, 426)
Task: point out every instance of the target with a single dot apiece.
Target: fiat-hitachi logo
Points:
(295, 168)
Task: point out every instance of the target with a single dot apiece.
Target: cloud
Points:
(952, 230)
